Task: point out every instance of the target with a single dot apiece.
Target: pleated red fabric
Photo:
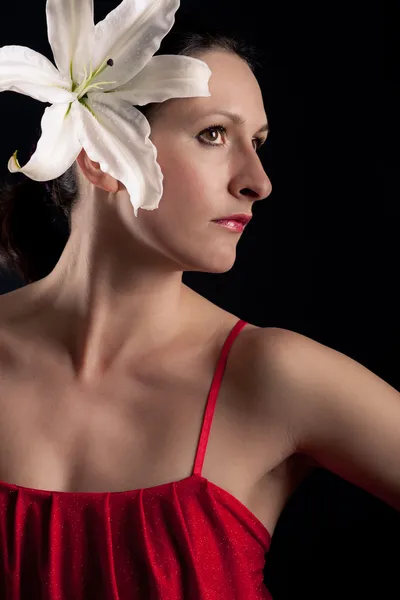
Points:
(184, 540)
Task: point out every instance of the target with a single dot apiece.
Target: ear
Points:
(95, 175)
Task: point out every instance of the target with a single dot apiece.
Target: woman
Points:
(150, 439)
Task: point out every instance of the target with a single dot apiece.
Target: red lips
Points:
(241, 218)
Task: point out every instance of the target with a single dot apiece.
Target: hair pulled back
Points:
(35, 217)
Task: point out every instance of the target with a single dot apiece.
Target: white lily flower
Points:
(98, 115)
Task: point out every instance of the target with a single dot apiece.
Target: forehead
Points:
(233, 87)
(229, 69)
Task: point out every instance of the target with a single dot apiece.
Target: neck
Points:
(110, 298)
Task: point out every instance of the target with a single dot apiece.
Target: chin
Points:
(198, 255)
(215, 264)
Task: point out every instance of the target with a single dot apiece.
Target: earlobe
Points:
(108, 183)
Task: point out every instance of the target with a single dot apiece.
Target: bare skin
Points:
(107, 362)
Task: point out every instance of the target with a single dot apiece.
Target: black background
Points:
(321, 255)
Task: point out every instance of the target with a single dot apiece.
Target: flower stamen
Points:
(86, 84)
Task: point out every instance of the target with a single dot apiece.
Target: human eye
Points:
(218, 129)
(259, 142)
(221, 130)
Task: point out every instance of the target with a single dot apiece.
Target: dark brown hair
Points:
(35, 217)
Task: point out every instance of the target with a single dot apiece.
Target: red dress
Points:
(184, 540)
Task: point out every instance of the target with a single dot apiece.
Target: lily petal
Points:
(165, 77)
(70, 27)
(131, 34)
(117, 137)
(56, 150)
(27, 72)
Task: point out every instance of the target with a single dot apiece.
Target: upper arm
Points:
(338, 412)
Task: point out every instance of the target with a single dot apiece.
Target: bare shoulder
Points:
(280, 360)
(14, 307)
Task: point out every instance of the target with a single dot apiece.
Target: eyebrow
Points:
(236, 119)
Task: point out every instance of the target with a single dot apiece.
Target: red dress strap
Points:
(213, 395)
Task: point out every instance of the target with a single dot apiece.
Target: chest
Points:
(137, 432)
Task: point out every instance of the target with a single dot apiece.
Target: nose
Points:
(251, 180)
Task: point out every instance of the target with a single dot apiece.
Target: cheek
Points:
(193, 179)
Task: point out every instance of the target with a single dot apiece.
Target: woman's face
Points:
(211, 168)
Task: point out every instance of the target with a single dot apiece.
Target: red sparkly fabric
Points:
(184, 540)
